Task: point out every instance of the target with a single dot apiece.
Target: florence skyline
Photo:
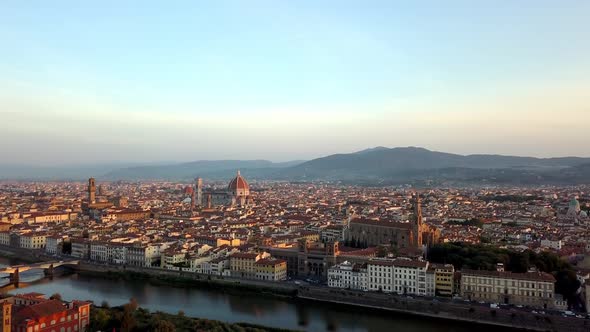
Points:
(291, 80)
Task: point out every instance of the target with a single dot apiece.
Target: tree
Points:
(381, 251)
(133, 305)
(164, 326)
(105, 304)
(128, 321)
(55, 296)
(99, 319)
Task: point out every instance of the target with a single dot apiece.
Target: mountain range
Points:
(374, 166)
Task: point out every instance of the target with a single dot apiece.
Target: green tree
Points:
(164, 326)
(128, 321)
(99, 319)
(381, 251)
(55, 296)
(133, 305)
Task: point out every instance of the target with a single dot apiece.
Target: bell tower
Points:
(417, 210)
(199, 184)
(91, 191)
(417, 220)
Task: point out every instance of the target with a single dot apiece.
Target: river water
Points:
(217, 305)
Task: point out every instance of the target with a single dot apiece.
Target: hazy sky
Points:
(86, 81)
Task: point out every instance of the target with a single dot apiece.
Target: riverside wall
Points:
(281, 288)
(447, 309)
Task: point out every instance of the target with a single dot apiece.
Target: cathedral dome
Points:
(238, 185)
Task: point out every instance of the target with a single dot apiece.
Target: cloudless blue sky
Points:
(146, 81)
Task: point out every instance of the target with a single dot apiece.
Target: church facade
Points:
(364, 232)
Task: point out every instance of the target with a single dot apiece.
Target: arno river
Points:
(210, 304)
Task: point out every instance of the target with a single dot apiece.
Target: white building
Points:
(81, 248)
(401, 276)
(98, 252)
(217, 266)
(430, 282)
(410, 276)
(5, 238)
(348, 275)
(117, 253)
(145, 255)
(380, 275)
(555, 244)
(53, 244)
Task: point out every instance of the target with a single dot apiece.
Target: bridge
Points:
(47, 267)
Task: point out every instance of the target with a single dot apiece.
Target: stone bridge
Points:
(47, 267)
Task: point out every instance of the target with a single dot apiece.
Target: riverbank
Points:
(22, 255)
(173, 278)
(422, 307)
(418, 307)
(140, 319)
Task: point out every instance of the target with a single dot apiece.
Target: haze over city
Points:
(287, 80)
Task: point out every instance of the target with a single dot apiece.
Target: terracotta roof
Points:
(246, 255)
(40, 310)
(238, 183)
(382, 223)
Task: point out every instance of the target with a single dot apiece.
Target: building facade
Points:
(535, 289)
(347, 275)
(363, 232)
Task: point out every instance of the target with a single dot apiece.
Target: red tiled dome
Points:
(238, 183)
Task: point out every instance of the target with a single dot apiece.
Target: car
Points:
(534, 312)
(519, 306)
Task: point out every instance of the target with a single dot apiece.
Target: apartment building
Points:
(444, 276)
(53, 244)
(271, 269)
(410, 276)
(536, 289)
(348, 275)
(243, 264)
(380, 275)
(32, 240)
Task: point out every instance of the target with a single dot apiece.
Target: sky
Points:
(144, 81)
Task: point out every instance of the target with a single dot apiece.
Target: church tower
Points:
(417, 210)
(417, 219)
(199, 185)
(91, 191)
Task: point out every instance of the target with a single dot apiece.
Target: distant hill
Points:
(374, 166)
(399, 165)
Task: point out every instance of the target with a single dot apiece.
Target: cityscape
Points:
(282, 166)
(527, 247)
